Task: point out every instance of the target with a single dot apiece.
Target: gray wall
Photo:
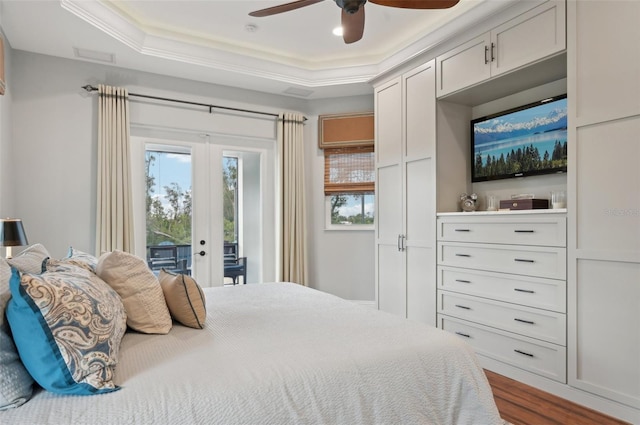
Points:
(7, 203)
(51, 142)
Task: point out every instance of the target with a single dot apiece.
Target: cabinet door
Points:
(603, 185)
(419, 192)
(463, 66)
(390, 284)
(388, 127)
(529, 37)
(606, 356)
(390, 278)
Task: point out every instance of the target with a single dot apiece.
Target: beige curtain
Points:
(293, 230)
(114, 217)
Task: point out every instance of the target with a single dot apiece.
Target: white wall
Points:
(7, 204)
(54, 151)
(343, 261)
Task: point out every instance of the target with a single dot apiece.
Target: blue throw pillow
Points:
(67, 328)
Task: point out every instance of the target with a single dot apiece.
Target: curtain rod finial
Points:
(89, 88)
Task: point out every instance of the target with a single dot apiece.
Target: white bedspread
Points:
(280, 353)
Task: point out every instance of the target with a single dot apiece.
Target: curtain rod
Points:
(89, 88)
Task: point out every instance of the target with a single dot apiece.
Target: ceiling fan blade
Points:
(417, 4)
(352, 25)
(283, 8)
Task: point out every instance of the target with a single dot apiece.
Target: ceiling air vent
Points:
(94, 55)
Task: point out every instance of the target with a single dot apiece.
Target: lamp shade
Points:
(12, 232)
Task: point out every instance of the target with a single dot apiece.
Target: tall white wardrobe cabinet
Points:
(405, 148)
(604, 189)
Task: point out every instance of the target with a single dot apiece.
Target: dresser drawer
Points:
(548, 294)
(530, 322)
(535, 356)
(517, 230)
(546, 262)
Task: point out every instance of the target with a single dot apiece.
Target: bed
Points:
(280, 353)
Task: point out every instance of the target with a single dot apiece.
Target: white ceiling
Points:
(293, 53)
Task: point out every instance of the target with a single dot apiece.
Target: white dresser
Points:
(502, 286)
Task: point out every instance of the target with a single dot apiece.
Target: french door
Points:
(183, 187)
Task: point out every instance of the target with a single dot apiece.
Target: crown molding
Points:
(251, 63)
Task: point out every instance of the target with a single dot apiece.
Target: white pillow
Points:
(139, 289)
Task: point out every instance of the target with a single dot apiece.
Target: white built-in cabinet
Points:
(586, 294)
(502, 286)
(604, 190)
(405, 194)
(529, 37)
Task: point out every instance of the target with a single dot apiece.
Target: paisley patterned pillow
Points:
(68, 328)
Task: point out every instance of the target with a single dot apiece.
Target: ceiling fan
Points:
(353, 11)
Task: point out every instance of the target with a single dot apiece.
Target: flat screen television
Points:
(524, 141)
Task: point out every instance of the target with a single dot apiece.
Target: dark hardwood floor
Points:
(521, 404)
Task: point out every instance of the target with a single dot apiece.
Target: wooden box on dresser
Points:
(502, 286)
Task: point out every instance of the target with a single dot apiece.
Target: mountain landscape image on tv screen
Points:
(529, 141)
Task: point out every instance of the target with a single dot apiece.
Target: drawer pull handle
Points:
(464, 307)
(464, 335)
(463, 281)
(463, 230)
(523, 260)
(528, 322)
(463, 255)
(527, 291)
(524, 353)
(524, 231)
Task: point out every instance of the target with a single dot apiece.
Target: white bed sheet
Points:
(279, 353)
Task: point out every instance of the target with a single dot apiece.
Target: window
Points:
(349, 175)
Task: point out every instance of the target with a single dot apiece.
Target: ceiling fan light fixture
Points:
(350, 6)
(353, 12)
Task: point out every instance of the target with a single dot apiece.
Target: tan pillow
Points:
(30, 260)
(185, 299)
(139, 289)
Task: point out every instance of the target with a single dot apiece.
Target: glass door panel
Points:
(168, 208)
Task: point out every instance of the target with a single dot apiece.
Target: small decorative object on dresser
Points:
(492, 203)
(524, 204)
(468, 203)
(558, 199)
